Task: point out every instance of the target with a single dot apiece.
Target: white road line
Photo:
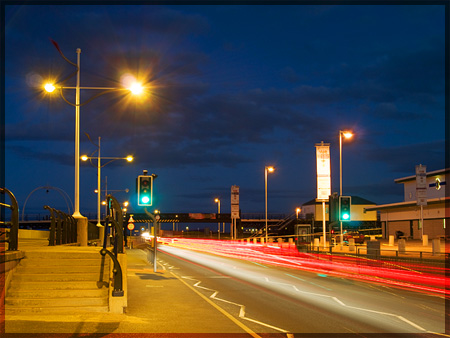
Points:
(242, 307)
(320, 286)
(337, 300)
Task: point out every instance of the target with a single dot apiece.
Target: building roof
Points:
(405, 204)
(356, 200)
(413, 177)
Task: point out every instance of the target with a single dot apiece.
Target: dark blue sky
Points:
(234, 88)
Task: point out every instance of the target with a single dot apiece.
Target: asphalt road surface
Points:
(270, 299)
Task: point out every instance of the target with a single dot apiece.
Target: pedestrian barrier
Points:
(114, 217)
(13, 237)
(63, 227)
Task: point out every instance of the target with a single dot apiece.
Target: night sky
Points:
(230, 89)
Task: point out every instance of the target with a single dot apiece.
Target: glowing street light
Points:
(269, 169)
(218, 212)
(50, 88)
(347, 135)
(136, 88)
(297, 211)
(129, 158)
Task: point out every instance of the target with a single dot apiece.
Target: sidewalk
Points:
(154, 305)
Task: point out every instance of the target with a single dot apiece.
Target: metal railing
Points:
(63, 227)
(114, 223)
(417, 259)
(13, 237)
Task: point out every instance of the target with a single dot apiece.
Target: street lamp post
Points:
(50, 87)
(218, 212)
(347, 134)
(129, 158)
(267, 170)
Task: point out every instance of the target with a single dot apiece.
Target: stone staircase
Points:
(59, 281)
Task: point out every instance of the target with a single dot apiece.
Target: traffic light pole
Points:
(155, 234)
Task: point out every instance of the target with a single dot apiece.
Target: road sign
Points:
(130, 226)
(421, 184)
(234, 194)
(235, 211)
(234, 201)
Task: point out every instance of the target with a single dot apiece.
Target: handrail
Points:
(63, 229)
(13, 239)
(115, 217)
(281, 225)
(118, 288)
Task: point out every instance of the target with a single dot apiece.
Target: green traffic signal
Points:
(344, 208)
(145, 190)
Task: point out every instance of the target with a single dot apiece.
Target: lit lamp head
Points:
(129, 158)
(216, 200)
(49, 87)
(347, 134)
(84, 158)
(270, 169)
(136, 88)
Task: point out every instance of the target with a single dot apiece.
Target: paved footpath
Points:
(157, 303)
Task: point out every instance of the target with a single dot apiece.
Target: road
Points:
(274, 299)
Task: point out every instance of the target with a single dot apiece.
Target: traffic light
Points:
(145, 190)
(333, 208)
(344, 208)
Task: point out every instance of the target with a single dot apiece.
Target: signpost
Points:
(421, 190)
(234, 209)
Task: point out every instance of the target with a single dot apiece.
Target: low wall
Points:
(8, 263)
(24, 233)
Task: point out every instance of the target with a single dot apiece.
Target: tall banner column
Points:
(323, 180)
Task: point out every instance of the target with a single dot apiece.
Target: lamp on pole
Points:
(347, 135)
(129, 158)
(134, 88)
(297, 211)
(267, 170)
(218, 212)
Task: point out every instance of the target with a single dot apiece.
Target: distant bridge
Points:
(207, 218)
(42, 221)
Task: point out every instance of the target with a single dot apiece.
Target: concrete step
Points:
(64, 255)
(21, 310)
(33, 262)
(70, 269)
(55, 285)
(52, 293)
(55, 302)
(57, 277)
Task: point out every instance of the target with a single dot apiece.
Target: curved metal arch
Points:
(62, 192)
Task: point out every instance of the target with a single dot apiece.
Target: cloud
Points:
(35, 153)
(404, 158)
(388, 110)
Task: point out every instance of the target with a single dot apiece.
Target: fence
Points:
(13, 237)
(63, 227)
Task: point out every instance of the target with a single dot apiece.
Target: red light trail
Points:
(420, 278)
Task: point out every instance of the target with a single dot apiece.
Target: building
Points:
(404, 217)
